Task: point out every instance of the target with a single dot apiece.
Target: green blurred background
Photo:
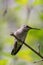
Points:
(13, 14)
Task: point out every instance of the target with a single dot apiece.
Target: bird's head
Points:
(26, 27)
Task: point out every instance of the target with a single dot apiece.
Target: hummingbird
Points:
(21, 33)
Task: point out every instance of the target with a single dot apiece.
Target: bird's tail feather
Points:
(16, 49)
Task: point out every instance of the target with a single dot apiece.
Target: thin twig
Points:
(38, 61)
(28, 46)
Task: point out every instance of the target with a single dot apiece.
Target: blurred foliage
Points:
(22, 2)
(3, 62)
(38, 2)
(25, 54)
(11, 21)
(33, 39)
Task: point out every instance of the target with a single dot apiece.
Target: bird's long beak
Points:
(35, 28)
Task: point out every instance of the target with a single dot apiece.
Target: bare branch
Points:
(27, 45)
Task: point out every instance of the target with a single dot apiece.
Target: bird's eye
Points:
(27, 26)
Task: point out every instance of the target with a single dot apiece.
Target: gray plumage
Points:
(21, 34)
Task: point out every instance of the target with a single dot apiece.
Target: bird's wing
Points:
(16, 48)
